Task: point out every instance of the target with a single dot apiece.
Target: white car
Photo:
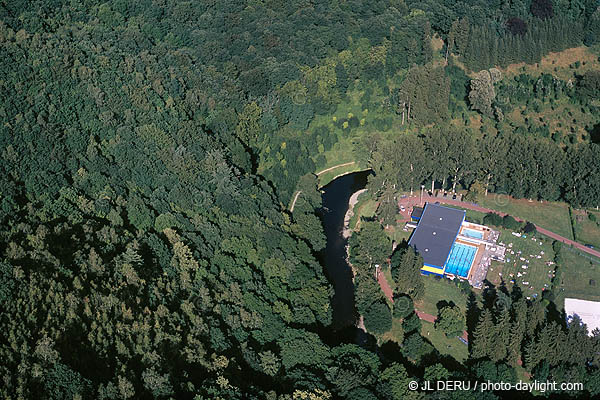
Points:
(402, 208)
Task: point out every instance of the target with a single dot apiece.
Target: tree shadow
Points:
(594, 133)
(473, 313)
(444, 303)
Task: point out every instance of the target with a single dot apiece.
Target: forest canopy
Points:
(148, 151)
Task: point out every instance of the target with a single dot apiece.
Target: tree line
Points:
(522, 166)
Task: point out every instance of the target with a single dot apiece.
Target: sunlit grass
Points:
(577, 276)
(437, 290)
(553, 216)
(451, 346)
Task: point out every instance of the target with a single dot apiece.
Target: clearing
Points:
(561, 64)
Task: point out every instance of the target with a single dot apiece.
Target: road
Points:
(412, 201)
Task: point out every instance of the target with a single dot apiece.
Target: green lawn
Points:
(537, 274)
(588, 231)
(577, 273)
(438, 290)
(553, 216)
(447, 346)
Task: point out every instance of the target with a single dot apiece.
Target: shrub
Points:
(529, 228)
(509, 222)
(556, 246)
(411, 324)
(492, 219)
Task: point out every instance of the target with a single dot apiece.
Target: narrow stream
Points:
(335, 204)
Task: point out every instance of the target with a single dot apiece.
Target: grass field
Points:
(553, 216)
(578, 271)
(586, 230)
(536, 276)
(447, 346)
(440, 290)
(341, 153)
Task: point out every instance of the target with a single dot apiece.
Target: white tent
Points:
(587, 311)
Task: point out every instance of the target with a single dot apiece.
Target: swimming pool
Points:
(460, 259)
(472, 233)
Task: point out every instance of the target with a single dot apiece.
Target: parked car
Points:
(589, 246)
(402, 208)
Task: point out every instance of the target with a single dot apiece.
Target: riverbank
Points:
(347, 232)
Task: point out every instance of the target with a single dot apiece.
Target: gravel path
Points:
(294, 202)
(335, 166)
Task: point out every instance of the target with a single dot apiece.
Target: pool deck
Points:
(487, 249)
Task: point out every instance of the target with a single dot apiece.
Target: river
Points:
(336, 195)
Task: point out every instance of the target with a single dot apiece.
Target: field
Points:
(440, 290)
(578, 274)
(536, 276)
(553, 216)
(586, 230)
(447, 346)
(397, 234)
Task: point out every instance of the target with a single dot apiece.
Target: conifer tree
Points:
(502, 336)
(483, 336)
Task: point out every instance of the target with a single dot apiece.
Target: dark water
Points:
(335, 204)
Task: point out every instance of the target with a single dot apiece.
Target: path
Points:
(294, 202)
(385, 286)
(335, 166)
(412, 201)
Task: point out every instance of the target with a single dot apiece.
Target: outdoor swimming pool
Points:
(472, 233)
(460, 260)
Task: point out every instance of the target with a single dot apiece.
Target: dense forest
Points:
(148, 150)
